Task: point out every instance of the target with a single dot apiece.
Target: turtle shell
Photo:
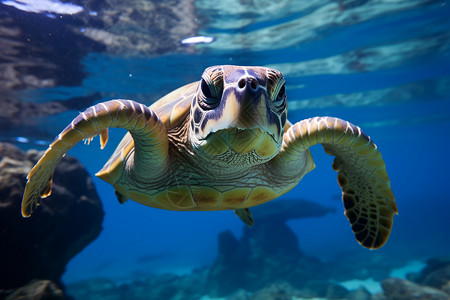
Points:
(172, 109)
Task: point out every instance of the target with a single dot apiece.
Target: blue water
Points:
(383, 65)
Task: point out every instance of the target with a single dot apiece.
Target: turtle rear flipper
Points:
(366, 192)
(121, 198)
(245, 215)
(144, 125)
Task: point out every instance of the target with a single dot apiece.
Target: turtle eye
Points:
(281, 95)
(279, 103)
(206, 90)
(207, 98)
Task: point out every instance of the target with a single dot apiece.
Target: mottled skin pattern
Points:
(225, 143)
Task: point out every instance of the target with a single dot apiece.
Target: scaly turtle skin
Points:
(225, 143)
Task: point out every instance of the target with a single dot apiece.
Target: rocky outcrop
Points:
(35, 290)
(39, 247)
(436, 273)
(400, 289)
(433, 282)
(257, 260)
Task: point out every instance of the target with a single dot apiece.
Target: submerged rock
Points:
(39, 247)
(435, 274)
(256, 260)
(400, 289)
(35, 290)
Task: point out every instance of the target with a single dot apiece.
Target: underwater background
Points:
(383, 65)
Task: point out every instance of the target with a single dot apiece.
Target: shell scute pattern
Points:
(206, 197)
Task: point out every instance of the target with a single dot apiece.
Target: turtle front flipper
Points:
(366, 192)
(147, 130)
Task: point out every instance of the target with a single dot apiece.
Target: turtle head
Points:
(238, 114)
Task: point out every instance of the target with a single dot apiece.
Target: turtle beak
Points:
(250, 100)
(247, 107)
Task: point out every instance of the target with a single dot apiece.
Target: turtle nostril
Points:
(253, 83)
(241, 83)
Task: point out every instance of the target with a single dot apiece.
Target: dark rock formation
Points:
(35, 290)
(267, 252)
(435, 274)
(400, 289)
(39, 247)
(433, 282)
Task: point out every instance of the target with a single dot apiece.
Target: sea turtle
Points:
(224, 142)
